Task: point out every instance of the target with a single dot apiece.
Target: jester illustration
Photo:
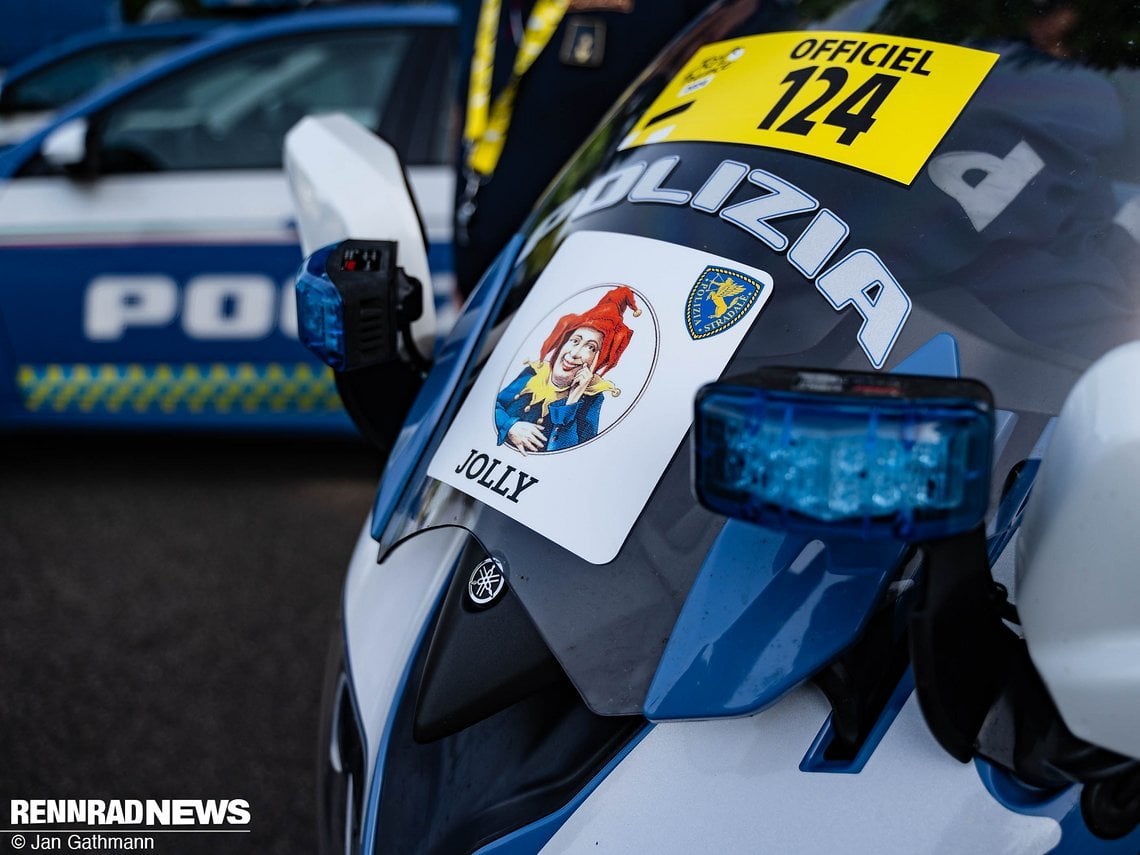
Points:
(555, 402)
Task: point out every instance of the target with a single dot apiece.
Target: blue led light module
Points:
(877, 455)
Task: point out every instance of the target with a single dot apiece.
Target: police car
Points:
(776, 490)
(36, 87)
(147, 238)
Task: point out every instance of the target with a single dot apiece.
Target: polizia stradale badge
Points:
(718, 299)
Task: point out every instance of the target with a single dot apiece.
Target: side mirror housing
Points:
(348, 183)
(353, 303)
(66, 147)
(1078, 557)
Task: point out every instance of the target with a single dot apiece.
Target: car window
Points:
(52, 86)
(232, 111)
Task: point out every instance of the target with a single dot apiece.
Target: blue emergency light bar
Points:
(873, 455)
(352, 302)
(320, 311)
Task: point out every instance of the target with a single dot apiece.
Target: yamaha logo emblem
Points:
(487, 583)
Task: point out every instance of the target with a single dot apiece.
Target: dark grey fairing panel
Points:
(1032, 289)
(617, 615)
(488, 735)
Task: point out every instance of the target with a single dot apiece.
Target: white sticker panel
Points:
(587, 395)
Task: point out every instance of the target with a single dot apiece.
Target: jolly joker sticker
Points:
(562, 396)
(590, 389)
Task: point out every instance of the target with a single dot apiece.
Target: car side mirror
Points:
(65, 148)
(1078, 557)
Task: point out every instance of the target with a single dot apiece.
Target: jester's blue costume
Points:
(533, 398)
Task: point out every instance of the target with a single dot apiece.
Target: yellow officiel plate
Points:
(877, 103)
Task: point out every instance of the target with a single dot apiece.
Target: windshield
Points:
(821, 184)
(63, 81)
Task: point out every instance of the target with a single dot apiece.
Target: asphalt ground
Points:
(165, 606)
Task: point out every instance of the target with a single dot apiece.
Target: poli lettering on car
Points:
(148, 280)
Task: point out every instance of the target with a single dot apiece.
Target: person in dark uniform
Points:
(588, 52)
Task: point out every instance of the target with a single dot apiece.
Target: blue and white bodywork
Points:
(704, 531)
(147, 236)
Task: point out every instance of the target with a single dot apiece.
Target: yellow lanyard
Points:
(487, 123)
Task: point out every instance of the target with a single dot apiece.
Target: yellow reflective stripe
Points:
(164, 388)
(485, 134)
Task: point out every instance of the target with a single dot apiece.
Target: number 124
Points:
(855, 114)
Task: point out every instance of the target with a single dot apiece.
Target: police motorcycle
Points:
(777, 488)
